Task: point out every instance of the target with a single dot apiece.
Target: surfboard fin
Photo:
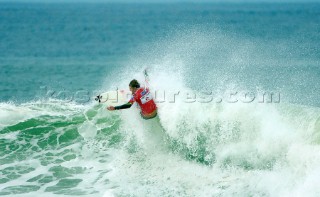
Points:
(98, 98)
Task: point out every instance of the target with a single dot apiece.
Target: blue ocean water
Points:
(73, 46)
(55, 140)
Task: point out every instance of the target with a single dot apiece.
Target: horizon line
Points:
(161, 2)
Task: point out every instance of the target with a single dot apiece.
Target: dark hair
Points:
(134, 84)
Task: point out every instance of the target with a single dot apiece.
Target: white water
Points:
(250, 149)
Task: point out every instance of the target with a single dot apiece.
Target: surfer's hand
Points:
(110, 108)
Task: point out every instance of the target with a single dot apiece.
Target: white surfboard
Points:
(114, 98)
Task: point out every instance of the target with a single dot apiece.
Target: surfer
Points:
(143, 97)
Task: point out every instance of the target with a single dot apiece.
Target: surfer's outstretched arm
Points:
(124, 106)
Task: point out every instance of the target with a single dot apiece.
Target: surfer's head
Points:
(134, 85)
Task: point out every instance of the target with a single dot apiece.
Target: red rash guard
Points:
(144, 98)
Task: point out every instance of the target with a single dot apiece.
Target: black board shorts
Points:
(155, 115)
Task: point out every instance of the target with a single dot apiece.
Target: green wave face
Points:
(69, 149)
(42, 153)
